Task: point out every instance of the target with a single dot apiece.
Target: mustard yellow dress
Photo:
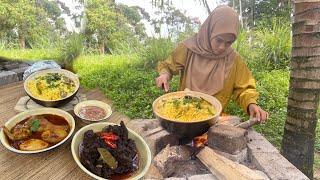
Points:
(239, 84)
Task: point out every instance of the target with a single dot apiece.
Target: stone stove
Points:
(178, 162)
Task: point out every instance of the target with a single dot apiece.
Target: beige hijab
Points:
(205, 71)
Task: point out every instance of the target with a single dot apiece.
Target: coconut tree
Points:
(303, 100)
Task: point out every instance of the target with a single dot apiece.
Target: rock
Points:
(203, 177)
(11, 65)
(189, 168)
(169, 158)
(7, 77)
(20, 72)
(227, 138)
(153, 173)
(156, 137)
(240, 157)
(229, 120)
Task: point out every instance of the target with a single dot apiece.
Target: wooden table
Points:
(54, 164)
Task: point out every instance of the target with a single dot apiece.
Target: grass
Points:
(30, 54)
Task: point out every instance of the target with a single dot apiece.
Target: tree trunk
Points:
(22, 41)
(241, 18)
(207, 6)
(101, 47)
(303, 101)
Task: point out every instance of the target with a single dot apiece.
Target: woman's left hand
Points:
(257, 112)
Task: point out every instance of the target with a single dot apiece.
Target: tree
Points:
(303, 101)
(29, 20)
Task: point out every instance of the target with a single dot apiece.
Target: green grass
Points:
(30, 54)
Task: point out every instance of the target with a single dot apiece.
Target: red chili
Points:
(110, 137)
(110, 144)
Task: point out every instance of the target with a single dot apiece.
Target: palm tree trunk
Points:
(303, 101)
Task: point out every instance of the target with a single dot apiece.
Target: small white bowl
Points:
(96, 103)
(142, 146)
(24, 115)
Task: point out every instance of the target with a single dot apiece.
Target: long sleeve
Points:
(244, 90)
(175, 62)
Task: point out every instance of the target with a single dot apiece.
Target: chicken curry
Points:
(38, 132)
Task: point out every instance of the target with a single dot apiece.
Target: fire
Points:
(200, 141)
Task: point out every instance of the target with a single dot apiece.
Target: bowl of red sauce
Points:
(92, 111)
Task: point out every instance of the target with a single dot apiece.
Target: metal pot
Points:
(53, 103)
(187, 129)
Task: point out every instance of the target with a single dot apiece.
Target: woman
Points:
(207, 63)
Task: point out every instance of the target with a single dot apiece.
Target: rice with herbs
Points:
(52, 86)
(186, 109)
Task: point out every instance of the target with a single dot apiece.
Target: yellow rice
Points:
(185, 111)
(47, 92)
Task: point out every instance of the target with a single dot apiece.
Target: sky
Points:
(192, 8)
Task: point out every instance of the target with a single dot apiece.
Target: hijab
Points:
(206, 71)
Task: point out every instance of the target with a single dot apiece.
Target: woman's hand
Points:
(163, 81)
(257, 112)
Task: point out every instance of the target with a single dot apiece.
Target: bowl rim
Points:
(106, 106)
(87, 127)
(56, 70)
(23, 115)
(218, 106)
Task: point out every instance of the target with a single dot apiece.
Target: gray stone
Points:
(229, 120)
(7, 77)
(156, 137)
(227, 138)
(11, 65)
(169, 158)
(241, 157)
(20, 72)
(189, 168)
(262, 174)
(203, 177)
(267, 158)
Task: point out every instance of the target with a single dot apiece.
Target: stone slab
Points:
(241, 157)
(11, 65)
(20, 72)
(7, 77)
(268, 159)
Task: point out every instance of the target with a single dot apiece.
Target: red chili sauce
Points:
(92, 113)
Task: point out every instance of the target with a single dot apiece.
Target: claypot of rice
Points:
(52, 87)
(187, 114)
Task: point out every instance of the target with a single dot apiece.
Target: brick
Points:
(226, 138)
(229, 120)
(203, 177)
(257, 143)
(276, 166)
(7, 77)
(267, 158)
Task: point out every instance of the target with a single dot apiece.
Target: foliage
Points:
(70, 50)
(155, 50)
(274, 43)
(27, 21)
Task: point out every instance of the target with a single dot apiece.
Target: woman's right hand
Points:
(163, 81)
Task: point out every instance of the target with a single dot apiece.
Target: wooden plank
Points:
(224, 168)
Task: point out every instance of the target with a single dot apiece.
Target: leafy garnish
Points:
(35, 124)
(107, 157)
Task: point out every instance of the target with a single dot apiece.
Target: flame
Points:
(200, 141)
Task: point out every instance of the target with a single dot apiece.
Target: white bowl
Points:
(143, 149)
(99, 104)
(23, 115)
